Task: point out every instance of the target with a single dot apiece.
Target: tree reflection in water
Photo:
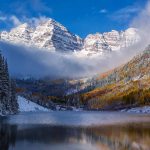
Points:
(123, 137)
(8, 136)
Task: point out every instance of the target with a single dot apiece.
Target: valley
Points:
(124, 87)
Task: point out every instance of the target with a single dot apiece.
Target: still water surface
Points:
(75, 131)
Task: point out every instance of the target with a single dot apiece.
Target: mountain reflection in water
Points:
(130, 136)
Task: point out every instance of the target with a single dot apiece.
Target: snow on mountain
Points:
(53, 36)
(28, 106)
(21, 34)
(95, 43)
(144, 109)
(48, 34)
(109, 41)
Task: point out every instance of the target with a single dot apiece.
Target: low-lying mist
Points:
(33, 62)
(26, 61)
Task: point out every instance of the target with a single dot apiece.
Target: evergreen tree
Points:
(1, 88)
(14, 104)
(8, 101)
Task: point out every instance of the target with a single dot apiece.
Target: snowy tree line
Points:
(8, 100)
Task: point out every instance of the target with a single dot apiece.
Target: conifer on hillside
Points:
(8, 101)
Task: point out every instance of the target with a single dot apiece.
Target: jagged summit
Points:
(51, 35)
(111, 41)
(48, 34)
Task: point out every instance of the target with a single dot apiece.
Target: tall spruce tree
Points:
(8, 101)
(1, 86)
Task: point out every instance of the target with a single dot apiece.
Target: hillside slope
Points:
(28, 106)
(125, 86)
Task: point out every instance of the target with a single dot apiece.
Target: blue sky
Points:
(79, 16)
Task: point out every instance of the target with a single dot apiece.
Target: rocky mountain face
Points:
(53, 36)
(48, 34)
(110, 41)
(125, 86)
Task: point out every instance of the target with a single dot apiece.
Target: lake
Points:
(75, 131)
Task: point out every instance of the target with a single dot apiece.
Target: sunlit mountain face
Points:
(53, 36)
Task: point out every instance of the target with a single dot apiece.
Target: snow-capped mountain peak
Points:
(48, 34)
(20, 34)
(132, 31)
(110, 41)
(53, 36)
(96, 42)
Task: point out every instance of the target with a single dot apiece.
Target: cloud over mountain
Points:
(27, 61)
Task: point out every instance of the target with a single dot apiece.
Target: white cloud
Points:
(35, 20)
(3, 18)
(103, 11)
(142, 22)
(125, 13)
(37, 7)
(15, 20)
(10, 20)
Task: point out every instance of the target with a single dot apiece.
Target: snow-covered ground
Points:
(145, 109)
(28, 106)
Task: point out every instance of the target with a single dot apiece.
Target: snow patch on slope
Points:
(145, 109)
(28, 106)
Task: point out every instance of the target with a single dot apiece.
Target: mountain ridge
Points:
(54, 36)
(48, 34)
(125, 86)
